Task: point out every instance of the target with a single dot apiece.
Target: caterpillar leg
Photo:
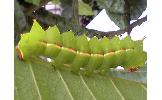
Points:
(93, 64)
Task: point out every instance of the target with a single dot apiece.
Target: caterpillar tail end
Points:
(19, 53)
(133, 69)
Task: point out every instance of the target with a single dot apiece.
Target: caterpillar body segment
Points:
(52, 50)
(65, 56)
(53, 36)
(29, 46)
(83, 53)
(76, 52)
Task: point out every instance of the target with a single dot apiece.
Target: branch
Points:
(110, 34)
(138, 22)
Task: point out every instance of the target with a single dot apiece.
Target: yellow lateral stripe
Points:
(68, 49)
(88, 54)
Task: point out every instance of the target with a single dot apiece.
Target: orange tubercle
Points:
(19, 53)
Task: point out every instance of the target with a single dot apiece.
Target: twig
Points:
(110, 34)
(138, 22)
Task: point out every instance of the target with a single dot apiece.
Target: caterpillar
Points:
(77, 53)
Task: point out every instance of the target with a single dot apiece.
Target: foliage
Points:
(123, 11)
(37, 79)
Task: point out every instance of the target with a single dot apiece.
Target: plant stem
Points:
(75, 16)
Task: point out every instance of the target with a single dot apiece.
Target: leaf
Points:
(35, 2)
(84, 9)
(38, 80)
(137, 76)
(137, 8)
(19, 19)
(121, 12)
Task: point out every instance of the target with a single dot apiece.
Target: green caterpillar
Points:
(77, 53)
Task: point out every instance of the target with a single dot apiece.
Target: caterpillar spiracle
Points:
(77, 53)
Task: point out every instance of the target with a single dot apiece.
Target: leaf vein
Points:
(87, 87)
(34, 79)
(118, 91)
(66, 86)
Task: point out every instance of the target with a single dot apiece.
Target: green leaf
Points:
(137, 76)
(121, 12)
(84, 9)
(38, 80)
(35, 2)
